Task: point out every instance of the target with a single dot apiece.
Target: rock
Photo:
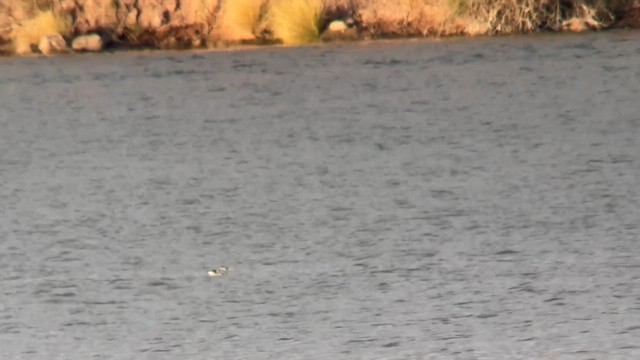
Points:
(339, 30)
(349, 34)
(337, 26)
(581, 24)
(90, 42)
(574, 25)
(50, 44)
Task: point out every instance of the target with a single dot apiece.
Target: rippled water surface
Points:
(472, 199)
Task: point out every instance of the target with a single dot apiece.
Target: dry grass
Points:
(24, 22)
(44, 23)
(517, 16)
(509, 16)
(584, 18)
(412, 17)
(296, 22)
(240, 19)
(441, 17)
(480, 17)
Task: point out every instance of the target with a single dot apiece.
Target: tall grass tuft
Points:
(296, 22)
(43, 23)
(240, 19)
(498, 16)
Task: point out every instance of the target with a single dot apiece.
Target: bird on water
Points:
(218, 271)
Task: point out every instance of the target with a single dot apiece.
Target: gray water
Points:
(462, 199)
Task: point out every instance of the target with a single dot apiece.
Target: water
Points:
(466, 199)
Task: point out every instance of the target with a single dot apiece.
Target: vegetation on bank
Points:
(296, 22)
(196, 23)
(43, 23)
(240, 19)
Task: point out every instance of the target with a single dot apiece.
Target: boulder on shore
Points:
(337, 26)
(340, 30)
(580, 25)
(52, 44)
(89, 42)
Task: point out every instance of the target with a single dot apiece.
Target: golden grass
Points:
(518, 16)
(482, 17)
(240, 19)
(300, 21)
(509, 16)
(412, 17)
(296, 22)
(435, 17)
(44, 23)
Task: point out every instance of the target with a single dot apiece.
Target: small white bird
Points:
(218, 271)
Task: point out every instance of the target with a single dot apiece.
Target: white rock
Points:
(50, 44)
(337, 26)
(90, 42)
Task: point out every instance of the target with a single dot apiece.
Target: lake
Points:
(449, 199)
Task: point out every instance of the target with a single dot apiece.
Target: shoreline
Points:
(381, 41)
(68, 27)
